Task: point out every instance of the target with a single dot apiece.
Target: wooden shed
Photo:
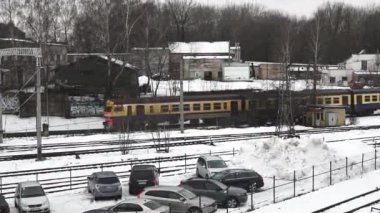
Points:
(325, 116)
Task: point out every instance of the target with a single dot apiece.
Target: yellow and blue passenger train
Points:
(231, 107)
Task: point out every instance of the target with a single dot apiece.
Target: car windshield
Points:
(221, 185)
(33, 191)
(219, 175)
(141, 175)
(108, 180)
(187, 194)
(216, 164)
(152, 205)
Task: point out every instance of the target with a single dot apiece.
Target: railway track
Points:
(104, 146)
(353, 204)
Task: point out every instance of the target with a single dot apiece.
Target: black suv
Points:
(223, 195)
(243, 178)
(141, 177)
(4, 207)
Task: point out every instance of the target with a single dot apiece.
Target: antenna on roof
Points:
(362, 52)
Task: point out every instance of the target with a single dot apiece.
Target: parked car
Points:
(244, 178)
(179, 199)
(4, 207)
(229, 196)
(104, 184)
(31, 197)
(141, 177)
(208, 165)
(134, 205)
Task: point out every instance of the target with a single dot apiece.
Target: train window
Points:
(175, 108)
(118, 109)
(374, 98)
(328, 100)
(225, 105)
(164, 108)
(206, 106)
(151, 109)
(196, 107)
(336, 100)
(367, 98)
(217, 106)
(186, 107)
(320, 101)
(108, 109)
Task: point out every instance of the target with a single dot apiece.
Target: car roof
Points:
(237, 170)
(105, 174)
(29, 184)
(143, 167)
(166, 188)
(211, 157)
(198, 179)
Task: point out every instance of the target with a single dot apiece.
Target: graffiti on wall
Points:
(85, 106)
(10, 103)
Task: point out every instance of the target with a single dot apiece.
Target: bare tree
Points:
(181, 13)
(315, 43)
(68, 13)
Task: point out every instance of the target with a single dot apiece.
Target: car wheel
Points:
(194, 210)
(252, 187)
(232, 202)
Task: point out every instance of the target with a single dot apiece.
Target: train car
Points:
(366, 101)
(138, 114)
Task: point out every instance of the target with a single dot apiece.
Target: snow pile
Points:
(280, 157)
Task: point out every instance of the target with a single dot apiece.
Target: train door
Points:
(318, 116)
(129, 111)
(358, 99)
(345, 100)
(234, 107)
(140, 110)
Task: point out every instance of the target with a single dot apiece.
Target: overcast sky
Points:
(297, 7)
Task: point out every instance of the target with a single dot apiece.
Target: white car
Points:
(31, 197)
(208, 165)
(134, 205)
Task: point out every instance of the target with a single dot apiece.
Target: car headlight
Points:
(24, 205)
(46, 203)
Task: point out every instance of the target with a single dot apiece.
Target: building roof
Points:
(207, 57)
(200, 47)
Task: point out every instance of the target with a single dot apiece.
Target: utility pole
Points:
(181, 114)
(1, 109)
(38, 111)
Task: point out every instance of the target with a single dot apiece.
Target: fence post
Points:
(346, 166)
(375, 158)
(185, 164)
(70, 179)
(101, 167)
(274, 189)
(37, 176)
(210, 152)
(200, 202)
(170, 208)
(252, 207)
(312, 171)
(233, 151)
(330, 173)
(362, 162)
(294, 183)
(159, 164)
(1, 185)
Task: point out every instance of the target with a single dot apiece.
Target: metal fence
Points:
(59, 179)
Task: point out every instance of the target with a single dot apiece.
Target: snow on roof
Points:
(360, 57)
(116, 61)
(207, 57)
(200, 47)
(16, 39)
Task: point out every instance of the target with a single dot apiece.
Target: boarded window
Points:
(196, 107)
(164, 108)
(364, 65)
(332, 80)
(336, 100)
(206, 106)
(217, 106)
(374, 98)
(328, 100)
(367, 98)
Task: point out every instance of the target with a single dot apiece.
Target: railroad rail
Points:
(105, 146)
(353, 204)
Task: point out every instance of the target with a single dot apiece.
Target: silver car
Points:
(179, 200)
(30, 197)
(104, 184)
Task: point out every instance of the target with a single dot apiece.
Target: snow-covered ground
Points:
(270, 157)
